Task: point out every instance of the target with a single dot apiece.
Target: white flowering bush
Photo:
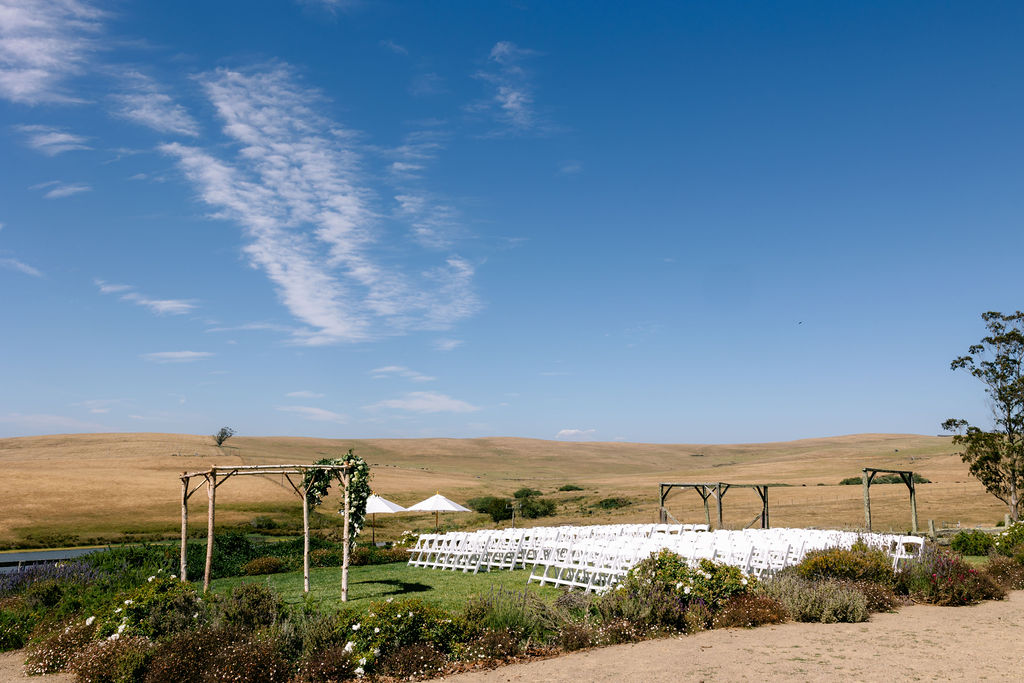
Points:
(155, 609)
(1010, 538)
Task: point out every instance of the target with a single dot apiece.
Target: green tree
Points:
(223, 435)
(996, 456)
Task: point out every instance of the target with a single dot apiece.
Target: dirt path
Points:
(982, 642)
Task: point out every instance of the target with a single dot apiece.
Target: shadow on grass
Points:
(398, 586)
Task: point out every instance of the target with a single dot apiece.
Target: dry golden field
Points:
(98, 487)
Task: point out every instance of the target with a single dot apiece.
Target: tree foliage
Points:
(318, 484)
(223, 434)
(996, 456)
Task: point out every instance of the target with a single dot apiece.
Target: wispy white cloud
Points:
(304, 394)
(400, 371)
(425, 402)
(158, 306)
(254, 327)
(575, 434)
(570, 167)
(52, 141)
(42, 43)
(447, 344)
(297, 188)
(511, 101)
(315, 414)
(19, 266)
(434, 224)
(58, 189)
(394, 47)
(99, 406)
(145, 104)
(176, 356)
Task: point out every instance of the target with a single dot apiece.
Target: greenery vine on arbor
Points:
(318, 484)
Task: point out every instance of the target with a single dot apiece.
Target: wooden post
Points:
(707, 510)
(719, 499)
(931, 528)
(211, 494)
(305, 539)
(867, 500)
(913, 505)
(764, 508)
(184, 528)
(344, 551)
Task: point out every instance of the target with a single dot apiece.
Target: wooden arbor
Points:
(716, 489)
(908, 478)
(217, 475)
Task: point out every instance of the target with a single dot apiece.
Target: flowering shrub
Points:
(269, 565)
(490, 646)
(248, 660)
(698, 617)
(943, 578)
(574, 636)
(407, 539)
(1007, 572)
(827, 601)
(389, 626)
(56, 651)
(419, 660)
(113, 661)
(61, 574)
(879, 598)
(335, 663)
(155, 609)
(1011, 537)
(858, 564)
(185, 656)
(748, 611)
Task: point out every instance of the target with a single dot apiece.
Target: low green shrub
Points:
(942, 577)
(827, 601)
(327, 557)
(573, 636)
(748, 611)
(389, 626)
(570, 487)
(1009, 539)
(698, 617)
(269, 565)
(251, 605)
(262, 522)
(612, 503)
(1006, 571)
(16, 624)
(879, 597)
(857, 564)
(520, 613)
(973, 542)
(489, 647)
(525, 492)
(117, 660)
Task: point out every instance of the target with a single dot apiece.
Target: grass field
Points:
(449, 590)
(70, 489)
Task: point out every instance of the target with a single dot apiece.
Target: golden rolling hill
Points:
(96, 487)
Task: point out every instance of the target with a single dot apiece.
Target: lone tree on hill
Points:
(223, 435)
(996, 457)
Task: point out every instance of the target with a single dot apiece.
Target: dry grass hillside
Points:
(97, 487)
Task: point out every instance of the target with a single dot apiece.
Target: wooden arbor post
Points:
(216, 476)
(907, 477)
(345, 475)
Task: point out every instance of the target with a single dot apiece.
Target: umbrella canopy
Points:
(437, 503)
(377, 505)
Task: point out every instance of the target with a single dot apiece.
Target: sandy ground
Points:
(982, 642)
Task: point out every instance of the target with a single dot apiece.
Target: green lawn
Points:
(378, 582)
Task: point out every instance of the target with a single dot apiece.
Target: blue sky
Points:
(665, 222)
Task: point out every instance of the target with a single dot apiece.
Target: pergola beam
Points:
(717, 489)
(906, 476)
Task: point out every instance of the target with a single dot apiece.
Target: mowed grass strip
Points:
(367, 584)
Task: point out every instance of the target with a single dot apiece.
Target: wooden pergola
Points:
(217, 475)
(908, 478)
(718, 490)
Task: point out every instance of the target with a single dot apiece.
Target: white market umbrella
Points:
(437, 504)
(374, 505)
